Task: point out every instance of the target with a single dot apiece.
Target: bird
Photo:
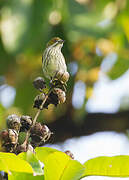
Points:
(53, 61)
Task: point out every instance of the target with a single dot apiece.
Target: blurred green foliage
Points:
(92, 30)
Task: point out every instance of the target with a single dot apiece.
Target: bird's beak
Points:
(61, 41)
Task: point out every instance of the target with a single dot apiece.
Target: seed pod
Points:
(60, 94)
(9, 139)
(36, 132)
(4, 136)
(52, 99)
(9, 136)
(4, 141)
(21, 148)
(65, 77)
(13, 136)
(26, 122)
(38, 101)
(39, 133)
(69, 154)
(47, 133)
(62, 76)
(13, 122)
(57, 96)
(39, 83)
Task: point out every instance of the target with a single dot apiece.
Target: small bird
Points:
(53, 61)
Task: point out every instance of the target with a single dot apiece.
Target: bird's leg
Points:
(58, 80)
(53, 80)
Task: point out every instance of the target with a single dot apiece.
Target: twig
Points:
(36, 116)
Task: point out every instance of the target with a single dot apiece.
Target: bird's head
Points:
(56, 41)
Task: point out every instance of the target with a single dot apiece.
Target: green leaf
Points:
(43, 152)
(73, 171)
(59, 165)
(10, 162)
(119, 68)
(24, 176)
(116, 166)
(33, 161)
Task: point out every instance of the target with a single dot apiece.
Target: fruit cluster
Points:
(23, 133)
(13, 139)
(56, 95)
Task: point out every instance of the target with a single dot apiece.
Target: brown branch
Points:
(36, 116)
(90, 123)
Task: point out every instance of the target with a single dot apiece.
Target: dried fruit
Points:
(52, 99)
(26, 122)
(13, 136)
(62, 76)
(36, 132)
(4, 136)
(39, 83)
(39, 133)
(57, 96)
(21, 148)
(47, 133)
(13, 122)
(60, 94)
(38, 101)
(9, 139)
(69, 154)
